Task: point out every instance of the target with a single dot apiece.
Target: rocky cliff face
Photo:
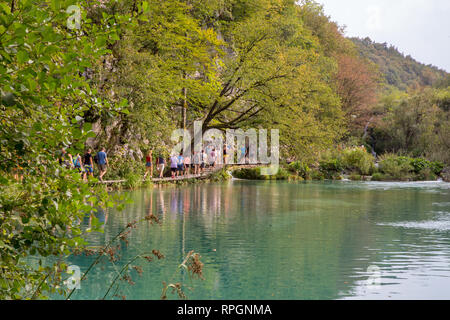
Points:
(116, 142)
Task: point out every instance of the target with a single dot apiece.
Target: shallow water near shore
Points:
(285, 240)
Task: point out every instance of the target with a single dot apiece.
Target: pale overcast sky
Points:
(420, 28)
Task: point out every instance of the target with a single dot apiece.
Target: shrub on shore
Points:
(133, 180)
(301, 169)
(395, 168)
(355, 177)
(359, 160)
(400, 168)
(426, 174)
(121, 168)
(221, 175)
(420, 164)
(352, 160)
(378, 177)
(331, 168)
(255, 174)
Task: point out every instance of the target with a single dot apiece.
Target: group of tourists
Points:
(181, 165)
(85, 164)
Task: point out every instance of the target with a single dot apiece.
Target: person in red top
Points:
(149, 164)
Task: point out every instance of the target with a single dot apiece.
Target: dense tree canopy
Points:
(230, 64)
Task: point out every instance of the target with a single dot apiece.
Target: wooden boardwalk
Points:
(207, 172)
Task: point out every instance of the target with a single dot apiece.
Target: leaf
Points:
(145, 7)
(22, 56)
(114, 37)
(100, 42)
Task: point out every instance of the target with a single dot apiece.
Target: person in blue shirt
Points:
(77, 163)
(180, 165)
(102, 159)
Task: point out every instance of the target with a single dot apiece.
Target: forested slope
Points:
(400, 71)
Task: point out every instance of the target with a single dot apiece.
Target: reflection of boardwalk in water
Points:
(206, 173)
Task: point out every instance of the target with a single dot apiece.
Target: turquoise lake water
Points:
(285, 240)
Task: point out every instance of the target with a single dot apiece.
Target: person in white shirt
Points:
(173, 165)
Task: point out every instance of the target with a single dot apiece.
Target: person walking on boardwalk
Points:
(204, 159)
(161, 163)
(149, 164)
(241, 159)
(180, 171)
(102, 163)
(187, 165)
(225, 153)
(196, 161)
(173, 165)
(88, 163)
(65, 159)
(212, 159)
(78, 164)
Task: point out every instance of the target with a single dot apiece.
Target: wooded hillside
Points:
(400, 71)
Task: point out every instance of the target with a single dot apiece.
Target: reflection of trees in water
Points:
(298, 240)
(316, 243)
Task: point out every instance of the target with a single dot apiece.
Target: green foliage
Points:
(420, 164)
(133, 180)
(248, 174)
(122, 167)
(255, 174)
(426, 174)
(221, 175)
(282, 174)
(234, 64)
(355, 177)
(44, 100)
(415, 124)
(317, 175)
(331, 166)
(378, 177)
(358, 159)
(147, 182)
(399, 71)
(436, 167)
(355, 160)
(300, 168)
(396, 167)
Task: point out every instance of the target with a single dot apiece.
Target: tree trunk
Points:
(185, 105)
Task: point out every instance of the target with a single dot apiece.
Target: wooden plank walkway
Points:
(206, 173)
